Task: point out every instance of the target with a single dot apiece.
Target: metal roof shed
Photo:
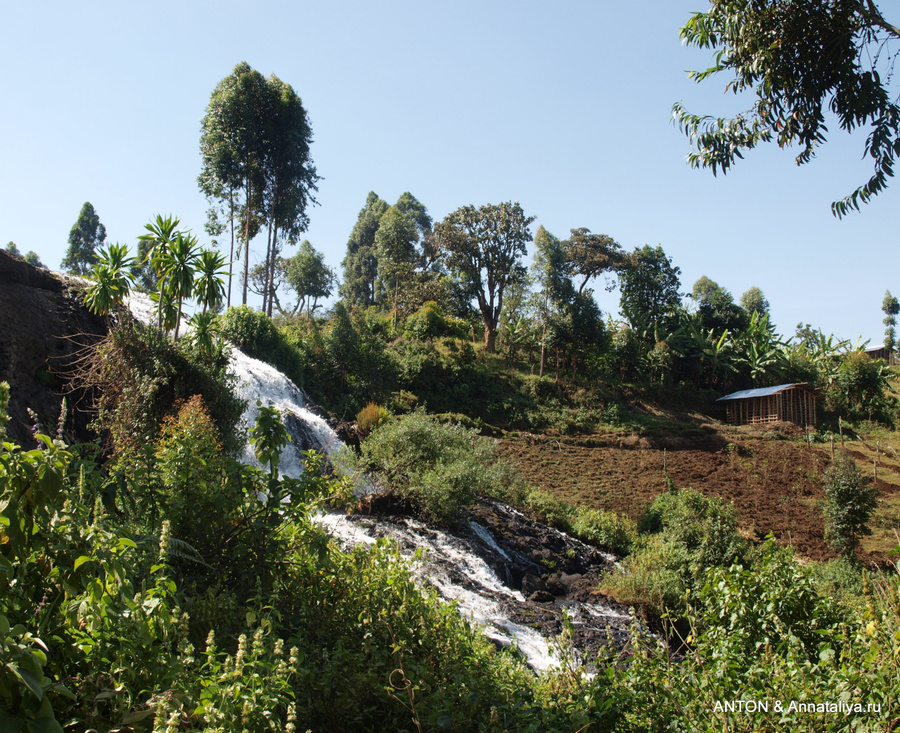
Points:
(787, 402)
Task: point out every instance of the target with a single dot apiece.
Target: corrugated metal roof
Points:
(760, 392)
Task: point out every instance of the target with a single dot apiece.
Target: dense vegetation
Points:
(150, 581)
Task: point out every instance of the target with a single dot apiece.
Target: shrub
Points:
(440, 468)
(605, 529)
(370, 417)
(549, 509)
(141, 375)
(196, 496)
(850, 501)
(255, 334)
(691, 532)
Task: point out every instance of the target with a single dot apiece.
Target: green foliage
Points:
(605, 529)
(763, 635)
(192, 478)
(370, 417)
(860, 389)
(440, 468)
(794, 82)
(255, 142)
(486, 245)
(4, 406)
(85, 236)
(361, 263)
(690, 532)
(111, 280)
(430, 322)
(309, 276)
(269, 437)
(24, 702)
(141, 375)
(255, 334)
(754, 301)
(650, 298)
(850, 501)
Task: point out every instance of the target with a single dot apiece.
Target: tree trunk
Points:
(265, 284)
(490, 337)
(231, 253)
(272, 267)
(247, 242)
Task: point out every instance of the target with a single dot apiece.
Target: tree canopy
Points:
(86, 235)
(801, 59)
(650, 296)
(360, 263)
(486, 245)
(255, 141)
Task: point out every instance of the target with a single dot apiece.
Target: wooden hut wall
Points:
(791, 405)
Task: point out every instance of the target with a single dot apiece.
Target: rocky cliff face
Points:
(43, 326)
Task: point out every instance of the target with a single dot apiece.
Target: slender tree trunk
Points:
(266, 289)
(247, 242)
(231, 253)
(272, 268)
(396, 296)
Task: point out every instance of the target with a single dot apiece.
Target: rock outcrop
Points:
(43, 327)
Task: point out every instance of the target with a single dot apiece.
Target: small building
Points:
(794, 403)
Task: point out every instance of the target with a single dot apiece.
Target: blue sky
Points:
(564, 107)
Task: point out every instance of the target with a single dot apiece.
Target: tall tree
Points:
(716, 309)
(361, 262)
(309, 276)
(395, 250)
(291, 176)
(800, 58)
(255, 142)
(549, 271)
(753, 301)
(85, 237)
(486, 245)
(650, 297)
(591, 255)
(891, 307)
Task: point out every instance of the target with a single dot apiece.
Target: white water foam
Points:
(457, 574)
(479, 585)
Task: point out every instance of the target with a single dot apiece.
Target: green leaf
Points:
(44, 725)
(10, 723)
(81, 561)
(30, 680)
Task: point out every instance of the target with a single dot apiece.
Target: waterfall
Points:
(466, 568)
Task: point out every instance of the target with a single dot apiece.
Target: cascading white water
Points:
(450, 565)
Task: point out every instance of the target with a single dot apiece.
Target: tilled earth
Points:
(774, 480)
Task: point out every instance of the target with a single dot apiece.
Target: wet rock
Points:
(542, 596)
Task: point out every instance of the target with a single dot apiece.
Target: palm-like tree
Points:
(177, 268)
(209, 285)
(160, 235)
(204, 331)
(112, 280)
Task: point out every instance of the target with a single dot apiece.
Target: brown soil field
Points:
(773, 478)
